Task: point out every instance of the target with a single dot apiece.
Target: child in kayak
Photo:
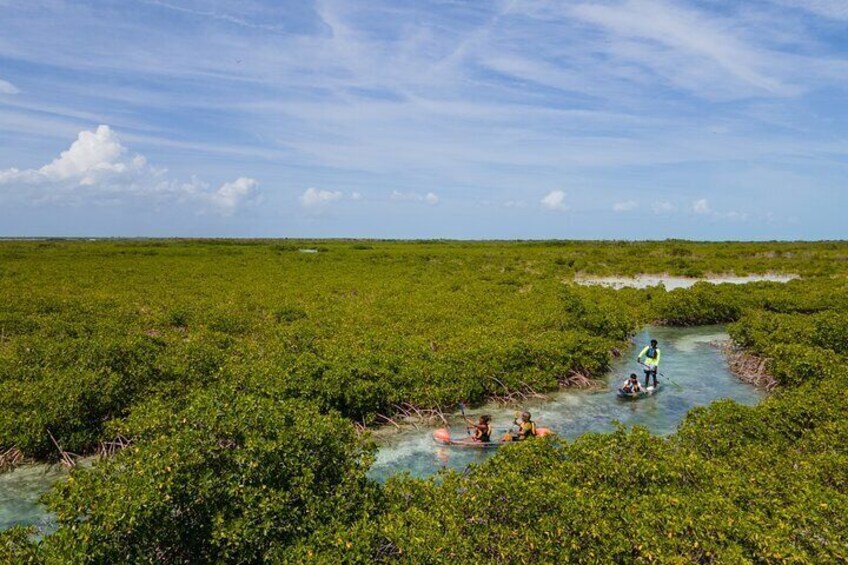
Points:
(631, 385)
(526, 428)
(482, 429)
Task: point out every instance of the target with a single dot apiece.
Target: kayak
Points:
(442, 436)
(650, 391)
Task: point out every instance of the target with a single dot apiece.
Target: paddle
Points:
(662, 375)
(671, 381)
(464, 417)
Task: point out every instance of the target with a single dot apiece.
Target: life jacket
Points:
(528, 429)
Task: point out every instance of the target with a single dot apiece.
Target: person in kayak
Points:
(651, 353)
(526, 427)
(482, 429)
(631, 385)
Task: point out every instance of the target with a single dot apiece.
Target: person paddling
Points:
(526, 427)
(631, 385)
(482, 429)
(652, 355)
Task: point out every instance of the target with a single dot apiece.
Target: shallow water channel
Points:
(696, 367)
(690, 359)
(19, 493)
(671, 282)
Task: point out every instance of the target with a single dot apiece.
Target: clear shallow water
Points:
(19, 493)
(671, 283)
(698, 369)
(689, 360)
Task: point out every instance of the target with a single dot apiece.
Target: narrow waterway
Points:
(696, 374)
(20, 491)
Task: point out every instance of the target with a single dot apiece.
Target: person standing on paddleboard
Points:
(651, 354)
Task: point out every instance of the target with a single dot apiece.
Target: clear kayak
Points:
(442, 436)
(649, 391)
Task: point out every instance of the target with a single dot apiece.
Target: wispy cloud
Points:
(701, 206)
(7, 87)
(663, 207)
(624, 206)
(834, 9)
(430, 198)
(674, 41)
(488, 99)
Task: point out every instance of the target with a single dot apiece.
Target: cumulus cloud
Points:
(624, 206)
(555, 200)
(98, 169)
(95, 156)
(701, 207)
(231, 194)
(313, 197)
(8, 88)
(356, 196)
(430, 198)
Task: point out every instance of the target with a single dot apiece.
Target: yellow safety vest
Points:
(655, 362)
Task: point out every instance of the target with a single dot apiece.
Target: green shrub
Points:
(288, 314)
(230, 478)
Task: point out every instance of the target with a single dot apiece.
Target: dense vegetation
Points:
(237, 369)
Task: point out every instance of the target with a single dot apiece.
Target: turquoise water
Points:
(19, 493)
(697, 368)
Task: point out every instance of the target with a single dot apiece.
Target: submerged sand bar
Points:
(672, 282)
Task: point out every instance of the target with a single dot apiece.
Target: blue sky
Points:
(428, 118)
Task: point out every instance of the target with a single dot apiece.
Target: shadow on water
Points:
(690, 359)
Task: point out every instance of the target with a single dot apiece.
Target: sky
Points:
(618, 119)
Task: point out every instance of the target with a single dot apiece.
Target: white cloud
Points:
(672, 40)
(515, 204)
(8, 88)
(555, 200)
(663, 207)
(735, 216)
(624, 206)
(430, 198)
(97, 169)
(701, 206)
(95, 156)
(356, 196)
(232, 194)
(313, 197)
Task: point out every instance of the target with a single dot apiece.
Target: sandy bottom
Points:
(670, 282)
